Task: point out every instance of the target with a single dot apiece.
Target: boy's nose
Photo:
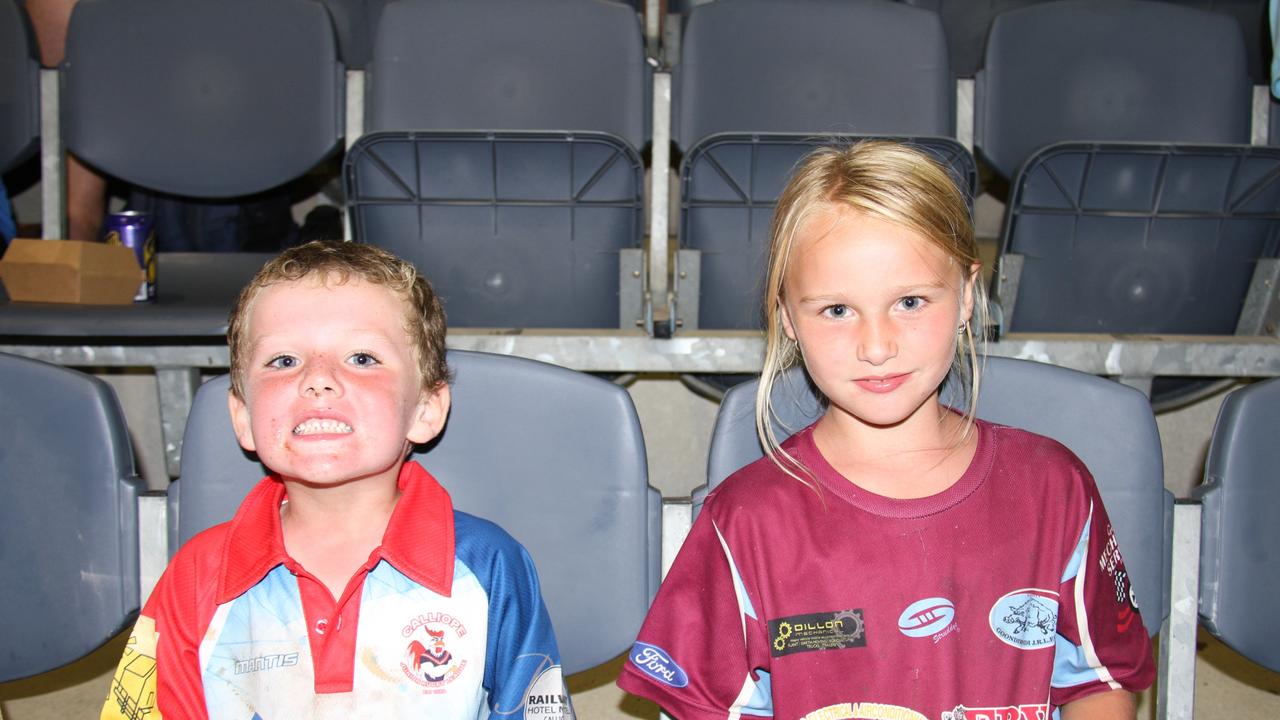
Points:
(320, 380)
(877, 343)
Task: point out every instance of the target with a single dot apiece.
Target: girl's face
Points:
(875, 309)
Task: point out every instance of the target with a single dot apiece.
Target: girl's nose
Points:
(877, 341)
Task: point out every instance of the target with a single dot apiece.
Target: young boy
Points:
(346, 585)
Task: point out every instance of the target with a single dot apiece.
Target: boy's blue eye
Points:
(362, 359)
(283, 362)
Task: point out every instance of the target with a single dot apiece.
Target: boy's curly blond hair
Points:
(338, 262)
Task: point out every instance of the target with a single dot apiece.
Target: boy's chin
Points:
(340, 476)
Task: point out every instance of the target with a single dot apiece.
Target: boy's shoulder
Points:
(487, 550)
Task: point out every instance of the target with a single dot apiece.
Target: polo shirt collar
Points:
(418, 541)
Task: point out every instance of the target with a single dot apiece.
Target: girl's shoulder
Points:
(1033, 460)
(764, 482)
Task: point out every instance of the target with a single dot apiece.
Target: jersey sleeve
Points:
(694, 654)
(1101, 642)
(159, 672)
(522, 667)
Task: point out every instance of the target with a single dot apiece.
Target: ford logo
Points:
(657, 664)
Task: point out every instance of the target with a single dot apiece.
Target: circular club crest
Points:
(1026, 619)
(428, 658)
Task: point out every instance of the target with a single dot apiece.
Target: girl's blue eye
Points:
(283, 362)
(912, 302)
(363, 359)
(838, 311)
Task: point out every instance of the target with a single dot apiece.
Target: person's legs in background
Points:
(86, 189)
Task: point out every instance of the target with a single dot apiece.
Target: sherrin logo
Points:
(657, 664)
(926, 617)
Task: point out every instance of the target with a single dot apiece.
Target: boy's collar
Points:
(418, 541)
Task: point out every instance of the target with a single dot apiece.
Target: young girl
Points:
(898, 559)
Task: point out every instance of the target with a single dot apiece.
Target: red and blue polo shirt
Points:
(444, 620)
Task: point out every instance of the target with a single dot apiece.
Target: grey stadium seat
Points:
(19, 87)
(1108, 425)
(1240, 541)
(1109, 70)
(520, 186)
(760, 83)
(553, 456)
(1136, 204)
(861, 67)
(202, 98)
(68, 517)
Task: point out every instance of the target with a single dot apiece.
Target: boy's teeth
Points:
(316, 426)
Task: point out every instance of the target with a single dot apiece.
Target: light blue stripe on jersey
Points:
(1082, 547)
(1070, 667)
(761, 702)
(739, 589)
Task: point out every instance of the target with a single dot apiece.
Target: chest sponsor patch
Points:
(1026, 619)
(817, 631)
(1006, 712)
(428, 659)
(864, 711)
(657, 664)
(547, 698)
(927, 617)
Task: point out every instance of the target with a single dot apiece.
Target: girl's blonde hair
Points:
(885, 180)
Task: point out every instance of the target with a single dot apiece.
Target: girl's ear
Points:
(785, 318)
(430, 414)
(970, 288)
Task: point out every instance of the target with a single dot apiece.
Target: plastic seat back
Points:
(553, 456)
(1240, 540)
(1107, 425)
(1109, 70)
(730, 184)
(509, 65)
(1140, 238)
(202, 98)
(861, 67)
(68, 517)
(515, 229)
(515, 180)
(19, 87)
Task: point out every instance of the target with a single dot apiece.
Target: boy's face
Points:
(332, 391)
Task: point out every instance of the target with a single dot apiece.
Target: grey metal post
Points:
(659, 200)
(177, 387)
(964, 112)
(1261, 118)
(354, 123)
(153, 540)
(53, 168)
(677, 518)
(1175, 699)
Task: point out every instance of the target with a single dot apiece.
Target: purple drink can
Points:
(135, 231)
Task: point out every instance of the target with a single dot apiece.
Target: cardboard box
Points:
(70, 271)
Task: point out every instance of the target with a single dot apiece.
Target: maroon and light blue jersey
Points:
(444, 620)
(1000, 598)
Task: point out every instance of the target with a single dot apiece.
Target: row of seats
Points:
(571, 484)
(506, 138)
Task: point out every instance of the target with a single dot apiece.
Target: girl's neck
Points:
(921, 456)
